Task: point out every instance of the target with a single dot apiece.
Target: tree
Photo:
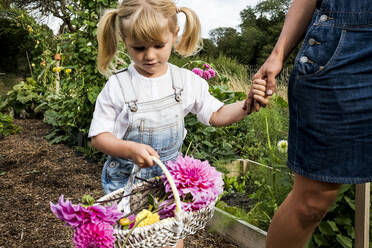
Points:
(259, 29)
(5, 4)
(209, 49)
(59, 9)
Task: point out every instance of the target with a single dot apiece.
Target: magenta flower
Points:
(194, 179)
(132, 219)
(66, 211)
(206, 75)
(206, 66)
(212, 73)
(77, 215)
(198, 72)
(94, 235)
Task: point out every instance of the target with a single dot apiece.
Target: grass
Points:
(242, 81)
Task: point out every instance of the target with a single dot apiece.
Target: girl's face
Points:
(150, 59)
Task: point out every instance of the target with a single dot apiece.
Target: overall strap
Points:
(177, 82)
(127, 89)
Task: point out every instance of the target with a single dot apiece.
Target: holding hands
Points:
(263, 85)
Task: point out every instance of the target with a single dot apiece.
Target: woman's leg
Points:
(299, 214)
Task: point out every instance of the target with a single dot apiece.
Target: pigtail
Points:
(191, 41)
(108, 38)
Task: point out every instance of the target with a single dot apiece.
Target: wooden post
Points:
(362, 201)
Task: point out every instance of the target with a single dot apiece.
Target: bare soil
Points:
(34, 173)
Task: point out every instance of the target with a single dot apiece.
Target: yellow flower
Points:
(150, 218)
(57, 69)
(124, 221)
(29, 29)
(68, 71)
(33, 65)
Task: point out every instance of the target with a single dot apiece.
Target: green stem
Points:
(267, 133)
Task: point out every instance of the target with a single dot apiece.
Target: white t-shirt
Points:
(109, 115)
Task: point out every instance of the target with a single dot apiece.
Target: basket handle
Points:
(171, 182)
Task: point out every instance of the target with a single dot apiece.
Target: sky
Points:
(212, 13)
(217, 13)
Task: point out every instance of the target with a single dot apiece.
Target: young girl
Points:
(140, 111)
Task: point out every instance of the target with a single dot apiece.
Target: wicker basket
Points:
(165, 232)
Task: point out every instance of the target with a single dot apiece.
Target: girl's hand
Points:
(259, 92)
(140, 154)
(268, 72)
(256, 97)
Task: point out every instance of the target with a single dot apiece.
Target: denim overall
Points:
(157, 123)
(330, 95)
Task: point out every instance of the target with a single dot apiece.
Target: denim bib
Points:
(330, 95)
(158, 123)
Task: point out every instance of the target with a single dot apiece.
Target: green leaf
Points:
(344, 188)
(87, 201)
(93, 93)
(346, 242)
(343, 221)
(333, 226)
(320, 240)
(151, 200)
(207, 143)
(350, 202)
(325, 228)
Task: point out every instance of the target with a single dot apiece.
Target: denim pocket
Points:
(321, 46)
(118, 169)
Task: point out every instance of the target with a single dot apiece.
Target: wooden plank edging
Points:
(362, 208)
(237, 231)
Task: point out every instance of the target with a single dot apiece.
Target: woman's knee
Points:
(313, 199)
(311, 213)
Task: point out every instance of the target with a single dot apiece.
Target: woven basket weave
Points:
(165, 232)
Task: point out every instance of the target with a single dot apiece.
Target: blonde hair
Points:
(142, 20)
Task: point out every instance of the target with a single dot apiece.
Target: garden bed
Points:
(237, 231)
(33, 173)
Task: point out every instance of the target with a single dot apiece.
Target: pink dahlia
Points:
(198, 183)
(77, 215)
(94, 235)
(212, 73)
(206, 75)
(198, 72)
(66, 211)
(206, 66)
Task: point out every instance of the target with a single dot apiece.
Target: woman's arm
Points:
(110, 145)
(294, 28)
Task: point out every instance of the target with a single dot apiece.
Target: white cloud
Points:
(216, 13)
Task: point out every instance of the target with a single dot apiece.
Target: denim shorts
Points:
(330, 100)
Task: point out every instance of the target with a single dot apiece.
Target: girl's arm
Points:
(234, 112)
(294, 28)
(110, 145)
